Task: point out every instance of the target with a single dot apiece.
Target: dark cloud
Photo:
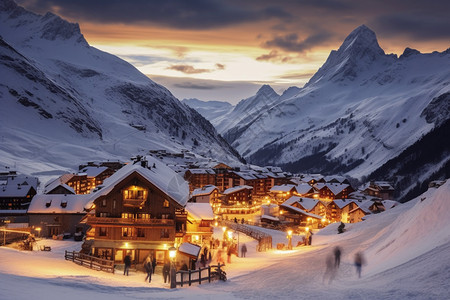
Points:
(415, 25)
(197, 86)
(187, 69)
(292, 43)
(275, 56)
(181, 14)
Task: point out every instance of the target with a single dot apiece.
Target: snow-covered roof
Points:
(202, 171)
(341, 203)
(388, 204)
(93, 171)
(301, 211)
(304, 188)
(200, 211)
(335, 188)
(283, 188)
(58, 203)
(190, 249)
(245, 175)
(306, 203)
(270, 218)
(17, 186)
(236, 189)
(206, 190)
(53, 184)
(163, 177)
(363, 205)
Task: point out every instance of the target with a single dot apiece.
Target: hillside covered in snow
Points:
(64, 102)
(364, 113)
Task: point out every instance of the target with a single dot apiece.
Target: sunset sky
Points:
(226, 49)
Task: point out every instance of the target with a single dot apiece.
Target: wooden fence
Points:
(200, 275)
(264, 239)
(91, 262)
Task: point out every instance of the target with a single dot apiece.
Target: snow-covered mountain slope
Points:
(361, 109)
(64, 102)
(210, 110)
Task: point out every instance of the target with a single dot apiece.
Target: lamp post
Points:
(173, 275)
(289, 236)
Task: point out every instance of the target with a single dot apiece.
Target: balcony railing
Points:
(128, 221)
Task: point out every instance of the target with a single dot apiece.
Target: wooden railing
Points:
(91, 262)
(264, 240)
(131, 221)
(200, 275)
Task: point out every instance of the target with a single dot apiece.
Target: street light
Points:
(38, 229)
(289, 236)
(173, 275)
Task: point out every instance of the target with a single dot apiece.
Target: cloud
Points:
(197, 86)
(416, 25)
(220, 66)
(292, 43)
(180, 14)
(275, 56)
(187, 69)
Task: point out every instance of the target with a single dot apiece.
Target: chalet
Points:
(200, 218)
(16, 191)
(207, 194)
(198, 178)
(305, 190)
(238, 200)
(309, 205)
(282, 192)
(297, 216)
(138, 210)
(330, 191)
(96, 175)
(56, 186)
(336, 179)
(358, 213)
(380, 189)
(56, 214)
(78, 182)
(338, 210)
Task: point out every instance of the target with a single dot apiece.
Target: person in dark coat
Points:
(127, 262)
(243, 250)
(359, 261)
(166, 271)
(148, 269)
(337, 256)
(154, 264)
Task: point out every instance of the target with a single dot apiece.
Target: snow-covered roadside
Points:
(407, 250)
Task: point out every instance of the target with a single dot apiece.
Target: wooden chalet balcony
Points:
(128, 221)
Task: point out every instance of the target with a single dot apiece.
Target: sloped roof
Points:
(283, 188)
(335, 188)
(53, 184)
(388, 204)
(308, 203)
(246, 175)
(190, 249)
(164, 178)
(202, 171)
(304, 188)
(300, 211)
(93, 171)
(236, 189)
(17, 186)
(341, 203)
(206, 190)
(74, 204)
(363, 205)
(200, 211)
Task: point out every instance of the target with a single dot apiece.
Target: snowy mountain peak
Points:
(361, 41)
(56, 28)
(266, 90)
(409, 52)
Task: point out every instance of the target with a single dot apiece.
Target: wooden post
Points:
(199, 275)
(209, 273)
(190, 278)
(73, 256)
(181, 275)
(91, 263)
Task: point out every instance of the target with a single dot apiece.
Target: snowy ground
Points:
(407, 250)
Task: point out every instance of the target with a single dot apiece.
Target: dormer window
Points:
(166, 203)
(48, 203)
(63, 204)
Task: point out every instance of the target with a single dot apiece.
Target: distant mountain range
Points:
(64, 102)
(358, 115)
